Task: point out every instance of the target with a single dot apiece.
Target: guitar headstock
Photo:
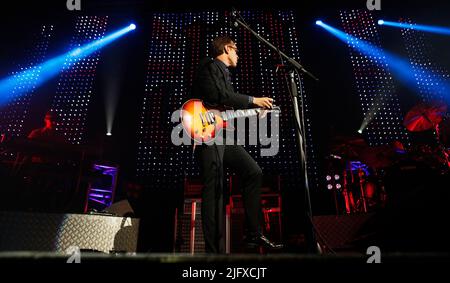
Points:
(263, 112)
(276, 108)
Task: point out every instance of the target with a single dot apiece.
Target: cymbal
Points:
(355, 148)
(425, 116)
(348, 146)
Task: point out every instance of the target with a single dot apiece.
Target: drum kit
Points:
(360, 168)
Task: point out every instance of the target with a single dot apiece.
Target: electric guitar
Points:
(203, 124)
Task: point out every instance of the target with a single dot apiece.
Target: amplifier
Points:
(188, 231)
(21, 231)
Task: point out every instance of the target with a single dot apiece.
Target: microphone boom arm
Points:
(292, 61)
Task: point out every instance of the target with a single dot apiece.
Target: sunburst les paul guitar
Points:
(203, 124)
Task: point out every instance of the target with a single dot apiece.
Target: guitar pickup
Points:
(202, 119)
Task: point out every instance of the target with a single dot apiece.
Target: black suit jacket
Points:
(211, 85)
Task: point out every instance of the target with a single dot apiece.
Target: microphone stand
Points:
(296, 94)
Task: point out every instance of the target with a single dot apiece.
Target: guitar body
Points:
(201, 124)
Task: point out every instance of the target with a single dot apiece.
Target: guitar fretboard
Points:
(239, 113)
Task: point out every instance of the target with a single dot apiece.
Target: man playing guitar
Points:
(212, 86)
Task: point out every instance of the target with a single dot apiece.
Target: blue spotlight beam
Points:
(399, 66)
(90, 48)
(45, 71)
(425, 28)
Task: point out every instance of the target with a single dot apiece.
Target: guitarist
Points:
(212, 85)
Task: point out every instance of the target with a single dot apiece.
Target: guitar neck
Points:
(239, 113)
(243, 113)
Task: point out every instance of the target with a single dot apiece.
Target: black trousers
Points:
(212, 160)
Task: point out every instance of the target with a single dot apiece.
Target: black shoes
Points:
(257, 241)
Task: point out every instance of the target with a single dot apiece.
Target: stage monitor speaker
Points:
(339, 232)
(22, 231)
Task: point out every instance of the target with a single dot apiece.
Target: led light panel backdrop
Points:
(177, 43)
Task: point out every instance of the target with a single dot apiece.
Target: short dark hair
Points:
(218, 45)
